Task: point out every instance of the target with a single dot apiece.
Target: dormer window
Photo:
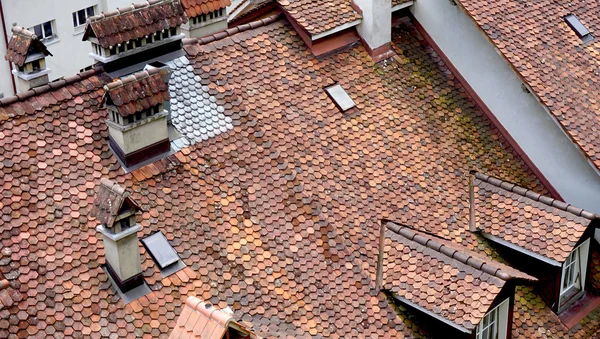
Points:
(574, 271)
(494, 324)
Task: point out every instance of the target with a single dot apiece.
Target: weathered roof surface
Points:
(452, 283)
(8, 295)
(560, 69)
(134, 22)
(531, 221)
(197, 7)
(199, 320)
(137, 92)
(22, 42)
(277, 218)
(318, 16)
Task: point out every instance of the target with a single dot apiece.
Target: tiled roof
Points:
(449, 282)
(199, 320)
(21, 43)
(560, 69)
(8, 295)
(198, 7)
(318, 16)
(531, 221)
(134, 22)
(137, 92)
(273, 218)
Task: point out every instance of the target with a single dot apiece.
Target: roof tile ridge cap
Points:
(46, 88)
(221, 317)
(527, 193)
(192, 302)
(231, 31)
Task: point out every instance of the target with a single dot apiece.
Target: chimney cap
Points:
(110, 200)
(23, 43)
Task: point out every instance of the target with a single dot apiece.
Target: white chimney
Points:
(28, 54)
(376, 27)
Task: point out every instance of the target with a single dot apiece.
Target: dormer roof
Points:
(136, 21)
(444, 279)
(137, 92)
(197, 7)
(23, 43)
(110, 201)
(536, 223)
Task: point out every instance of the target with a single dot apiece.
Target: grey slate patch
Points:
(194, 112)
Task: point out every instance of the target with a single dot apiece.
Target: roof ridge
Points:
(50, 86)
(510, 187)
(448, 251)
(122, 10)
(146, 73)
(23, 31)
(231, 31)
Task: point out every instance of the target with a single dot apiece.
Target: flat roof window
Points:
(582, 32)
(161, 251)
(340, 97)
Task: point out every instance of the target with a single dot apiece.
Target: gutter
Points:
(12, 78)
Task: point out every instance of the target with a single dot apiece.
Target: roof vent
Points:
(582, 32)
(339, 96)
(28, 54)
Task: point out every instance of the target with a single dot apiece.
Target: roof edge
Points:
(231, 31)
(510, 187)
(450, 252)
(50, 86)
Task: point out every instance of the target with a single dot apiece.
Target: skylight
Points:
(582, 32)
(161, 251)
(340, 97)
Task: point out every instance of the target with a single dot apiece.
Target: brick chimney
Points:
(137, 119)
(205, 17)
(375, 29)
(115, 211)
(28, 54)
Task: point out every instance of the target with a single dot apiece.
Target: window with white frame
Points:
(80, 17)
(574, 269)
(494, 324)
(44, 31)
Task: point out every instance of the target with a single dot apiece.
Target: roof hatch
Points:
(340, 97)
(582, 32)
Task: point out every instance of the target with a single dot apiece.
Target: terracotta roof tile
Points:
(134, 22)
(399, 2)
(137, 92)
(197, 7)
(560, 69)
(22, 42)
(318, 16)
(531, 221)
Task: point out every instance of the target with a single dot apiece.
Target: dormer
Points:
(137, 119)
(153, 27)
(28, 54)
(205, 17)
(544, 237)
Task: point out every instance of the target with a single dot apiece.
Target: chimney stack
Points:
(28, 54)
(115, 211)
(205, 19)
(375, 29)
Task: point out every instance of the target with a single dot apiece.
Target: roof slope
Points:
(21, 43)
(137, 92)
(197, 7)
(451, 283)
(134, 22)
(536, 223)
(552, 60)
(274, 217)
(319, 16)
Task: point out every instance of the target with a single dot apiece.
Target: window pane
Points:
(81, 16)
(38, 31)
(75, 20)
(90, 11)
(47, 29)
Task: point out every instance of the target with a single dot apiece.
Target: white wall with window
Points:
(80, 18)
(494, 324)
(574, 270)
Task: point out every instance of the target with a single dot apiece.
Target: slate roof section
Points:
(450, 283)
(134, 22)
(200, 320)
(319, 16)
(537, 223)
(561, 70)
(275, 217)
(194, 112)
(137, 92)
(21, 44)
(198, 7)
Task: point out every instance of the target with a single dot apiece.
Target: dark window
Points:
(36, 65)
(138, 116)
(161, 251)
(138, 42)
(121, 48)
(157, 37)
(173, 31)
(80, 17)
(125, 223)
(43, 31)
(113, 50)
(582, 32)
(130, 45)
(211, 15)
(130, 119)
(149, 39)
(165, 33)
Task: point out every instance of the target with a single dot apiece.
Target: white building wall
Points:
(70, 54)
(6, 87)
(528, 122)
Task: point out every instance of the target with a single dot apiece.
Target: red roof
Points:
(197, 7)
(21, 44)
(319, 16)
